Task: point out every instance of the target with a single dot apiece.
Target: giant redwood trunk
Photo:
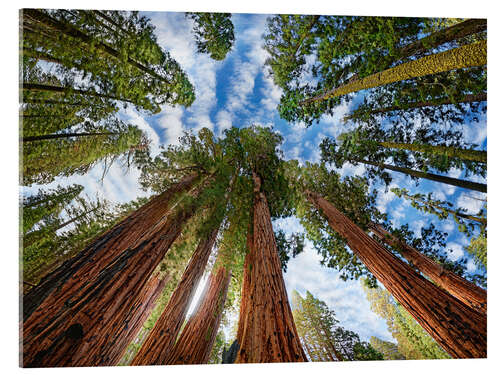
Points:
(198, 336)
(144, 306)
(79, 312)
(459, 329)
(268, 332)
(132, 226)
(161, 339)
(467, 292)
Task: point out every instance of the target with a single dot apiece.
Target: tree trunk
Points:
(72, 31)
(449, 34)
(460, 30)
(462, 57)
(76, 315)
(33, 237)
(452, 152)
(268, 332)
(198, 336)
(469, 98)
(467, 292)
(144, 306)
(444, 210)
(61, 135)
(305, 34)
(429, 176)
(459, 329)
(67, 90)
(161, 339)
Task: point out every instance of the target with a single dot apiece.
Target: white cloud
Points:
(224, 121)
(470, 204)
(456, 251)
(171, 121)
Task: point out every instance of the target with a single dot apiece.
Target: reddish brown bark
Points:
(459, 329)
(150, 294)
(268, 333)
(161, 339)
(467, 292)
(122, 233)
(86, 302)
(197, 338)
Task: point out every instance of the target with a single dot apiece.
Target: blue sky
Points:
(238, 92)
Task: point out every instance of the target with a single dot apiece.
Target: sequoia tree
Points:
(77, 314)
(445, 318)
(460, 288)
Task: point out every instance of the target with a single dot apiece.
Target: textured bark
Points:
(161, 339)
(78, 312)
(198, 336)
(449, 34)
(452, 152)
(469, 98)
(61, 135)
(467, 292)
(67, 91)
(268, 333)
(459, 329)
(457, 58)
(429, 176)
(144, 306)
(460, 30)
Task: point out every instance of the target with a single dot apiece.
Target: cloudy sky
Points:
(238, 92)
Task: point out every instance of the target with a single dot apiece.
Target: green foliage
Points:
(46, 204)
(288, 41)
(322, 337)
(422, 149)
(467, 223)
(287, 247)
(337, 50)
(413, 341)
(350, 195)
(116, 53)
(62, 234)
(432, 243)
(214, 33)
(478, 250)
(45, 160)
(388, 349)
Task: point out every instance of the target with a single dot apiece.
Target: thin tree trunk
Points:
(481, 220)
(143, 306)
(452, 152)
(467, 292)
(67, 90)
(449, 34)
(32, 237)
(469, 98)
(460, 30)
(49, 101)
(268, 332)
(161, 339)
(61, 135)
(72, 31)
(196, 341)
(459, 329)
(429, 176)
(462, 57)
(76, 315)
(305, 34)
